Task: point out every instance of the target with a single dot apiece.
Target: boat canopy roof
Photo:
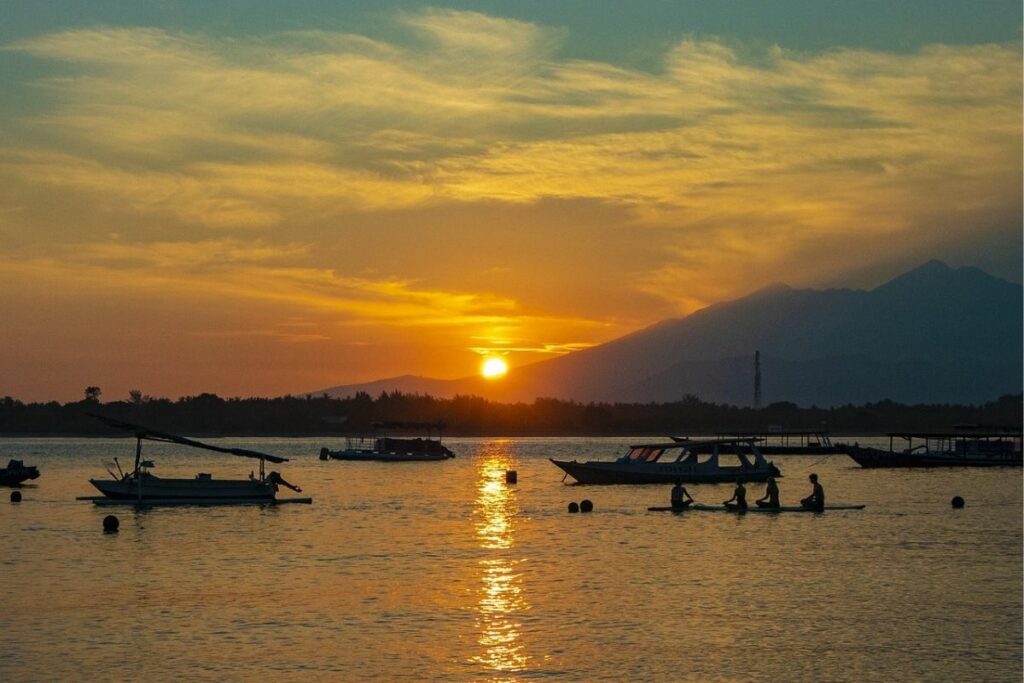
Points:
(779, 432)
(408, 425)
(687, 443)
(1009, 434)
(141, 432)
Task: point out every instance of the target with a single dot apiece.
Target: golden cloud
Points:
(728, 157)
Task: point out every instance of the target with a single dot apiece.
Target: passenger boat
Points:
(141, 487)
(16, 473)
(776, 441)
(390, 449)
(665, 463)
(962, 448)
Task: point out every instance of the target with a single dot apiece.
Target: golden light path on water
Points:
(501, 593)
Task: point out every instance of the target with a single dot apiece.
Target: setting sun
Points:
(494, 367)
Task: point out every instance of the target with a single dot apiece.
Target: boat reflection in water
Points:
(501, 595)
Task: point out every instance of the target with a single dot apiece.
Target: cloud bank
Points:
(280, 168)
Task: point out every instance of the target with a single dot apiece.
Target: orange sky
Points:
(260, 214)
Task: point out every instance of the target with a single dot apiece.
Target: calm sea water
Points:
(441, 571)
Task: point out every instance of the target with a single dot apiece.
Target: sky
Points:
(261, 198)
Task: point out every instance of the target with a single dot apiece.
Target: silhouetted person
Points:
(681, 498)
(739, 497)
(771, 495)
(815, 501)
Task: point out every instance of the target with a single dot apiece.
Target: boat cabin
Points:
(687, 451)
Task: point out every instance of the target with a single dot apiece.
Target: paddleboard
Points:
(719, 508)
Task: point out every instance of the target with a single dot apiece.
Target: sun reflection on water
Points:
(501, 593)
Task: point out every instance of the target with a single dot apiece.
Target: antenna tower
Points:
(757, 379)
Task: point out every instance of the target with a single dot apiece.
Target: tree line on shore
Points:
(209, 414)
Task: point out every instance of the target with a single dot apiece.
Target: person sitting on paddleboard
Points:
(815, 501)
(739, 496)
(681, 498)
(771, 495)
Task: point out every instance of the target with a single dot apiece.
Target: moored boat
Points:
(777, 441)
(17, 473)
(665, 463)
(963, 448)
(381, 448)
(140, 486)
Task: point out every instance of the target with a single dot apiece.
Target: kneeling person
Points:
(681, 498)
(739, 498)
(815, 501)
(771, 495)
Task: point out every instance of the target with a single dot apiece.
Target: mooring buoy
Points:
(15, 496)
(574, 507)
(957, 502)
(511, 476)
(586, 506)
(110, 524)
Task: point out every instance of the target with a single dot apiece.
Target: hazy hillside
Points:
(934, 334)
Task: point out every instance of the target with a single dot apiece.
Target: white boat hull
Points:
(156, 488)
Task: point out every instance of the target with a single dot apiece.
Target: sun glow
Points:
(494, 367)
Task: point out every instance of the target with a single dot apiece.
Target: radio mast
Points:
(757, 379)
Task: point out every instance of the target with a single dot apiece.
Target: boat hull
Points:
(210, 490)
(375, 456)
(872, 458)
(16, 474)
(601, 473)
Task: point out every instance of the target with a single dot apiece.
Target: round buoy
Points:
(574, 507)
(511, 476)
(586, 505)
(15, 496)
(110, 524)
(957, 502)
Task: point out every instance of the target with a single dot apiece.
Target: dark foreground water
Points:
(442, 571)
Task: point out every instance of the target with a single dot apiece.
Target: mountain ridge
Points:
(933, 333)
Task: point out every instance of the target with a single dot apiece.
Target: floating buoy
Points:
(511, 476)
(110, 524)
(586, 505)
(574, 507)
(15, 496)
(957, 502)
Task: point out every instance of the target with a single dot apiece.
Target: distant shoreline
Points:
(396, 414)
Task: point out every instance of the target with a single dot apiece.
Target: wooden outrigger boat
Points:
(648, 464)
(139, 486)
(381, 448)
(963, 448)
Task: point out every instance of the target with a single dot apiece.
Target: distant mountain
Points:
(934, 334)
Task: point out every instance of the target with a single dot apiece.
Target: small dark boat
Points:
(962, 448)
(654, 464)
(16, 473)
(390, 449)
